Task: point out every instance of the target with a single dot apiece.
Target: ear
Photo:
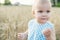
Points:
(33, 12)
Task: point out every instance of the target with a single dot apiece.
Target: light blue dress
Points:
(35, 30)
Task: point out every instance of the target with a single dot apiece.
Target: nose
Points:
(44, 14)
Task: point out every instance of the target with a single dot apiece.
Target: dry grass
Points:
(14, 19)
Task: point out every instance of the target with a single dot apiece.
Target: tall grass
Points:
(14, 19)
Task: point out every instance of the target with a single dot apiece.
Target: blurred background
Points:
(15, 14)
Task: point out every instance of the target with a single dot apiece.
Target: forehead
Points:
(43, 7)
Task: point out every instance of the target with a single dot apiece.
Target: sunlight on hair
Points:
(40, 2)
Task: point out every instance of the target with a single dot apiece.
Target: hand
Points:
(20, 36)
(47, 32)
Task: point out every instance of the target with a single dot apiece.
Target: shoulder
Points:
(50, 24)
(31, 22)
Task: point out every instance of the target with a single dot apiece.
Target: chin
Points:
(44, 21)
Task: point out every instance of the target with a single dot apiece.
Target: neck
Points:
(40, 22)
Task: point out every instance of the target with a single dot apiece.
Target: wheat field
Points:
(14, 19)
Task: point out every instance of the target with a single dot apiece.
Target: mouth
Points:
(43, 18)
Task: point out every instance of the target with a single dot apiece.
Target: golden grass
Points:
(14, 19)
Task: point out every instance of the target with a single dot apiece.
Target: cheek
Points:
(49, 15)
(37, 15)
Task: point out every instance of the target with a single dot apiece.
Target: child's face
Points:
(42, 13)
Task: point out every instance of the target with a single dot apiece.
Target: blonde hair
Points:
(40, 2)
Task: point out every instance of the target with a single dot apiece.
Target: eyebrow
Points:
(42, 10)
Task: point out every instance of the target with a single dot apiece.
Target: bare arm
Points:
(52, 36)
(23, 36)
(26, 34)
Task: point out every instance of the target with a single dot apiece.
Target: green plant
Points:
(7, 2)
(58, 5)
